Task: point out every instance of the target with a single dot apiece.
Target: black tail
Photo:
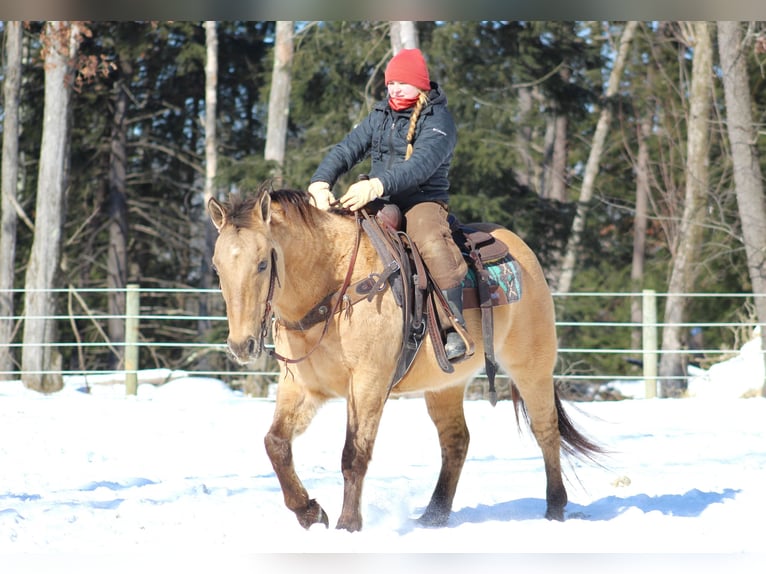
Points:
(573, 442)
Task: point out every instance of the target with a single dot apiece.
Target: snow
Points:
(176, 478)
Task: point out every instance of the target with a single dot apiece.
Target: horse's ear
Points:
(217, 213)
(265, 206)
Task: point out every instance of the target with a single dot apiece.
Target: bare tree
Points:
(117, 209)
(404, 35)
(747, 172)
(640, 222)
(203, 232)
(38, 359)
(525, 172)
(689, 239)
(565, 273)
(10, 175)
(279, 98)
(211, 108)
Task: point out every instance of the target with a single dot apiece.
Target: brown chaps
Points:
(426, 224)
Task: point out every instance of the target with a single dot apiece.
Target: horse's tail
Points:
(573, 442)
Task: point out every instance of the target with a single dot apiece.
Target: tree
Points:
(10, 169)
(117, 205)
(747, 172)
(566, 271)
(640, 222)
(404, 35)
(211, 169)
(689, 239)
(211, 109)
(60, 40)
(279, 100)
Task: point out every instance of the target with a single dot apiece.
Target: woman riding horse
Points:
(411, 138)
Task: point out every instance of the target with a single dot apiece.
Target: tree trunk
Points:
(117, 201)
(565, 272)
(211, 109)
(404, 35)
(558, 172)
(279, 98)
(639, 225)
(525, 171)
(38, 360)
(549, 139)
(10, 175)
(672, 369)
(555, 186)
(207, 304)
(748, 181)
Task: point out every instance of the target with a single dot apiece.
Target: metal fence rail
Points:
(163, 326)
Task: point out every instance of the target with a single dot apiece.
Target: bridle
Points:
(268, 311)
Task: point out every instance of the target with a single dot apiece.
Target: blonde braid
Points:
(422, 101)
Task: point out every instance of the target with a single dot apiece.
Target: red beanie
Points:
(409, 67)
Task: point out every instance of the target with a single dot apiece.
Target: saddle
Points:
(417, 294)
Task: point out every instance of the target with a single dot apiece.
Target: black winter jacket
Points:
(383, 134)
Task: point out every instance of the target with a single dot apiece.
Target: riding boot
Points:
(455, 345)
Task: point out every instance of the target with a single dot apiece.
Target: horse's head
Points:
(244, 261)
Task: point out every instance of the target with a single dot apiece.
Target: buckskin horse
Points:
(280, 261)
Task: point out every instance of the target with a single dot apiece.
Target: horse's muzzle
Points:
(244, 351)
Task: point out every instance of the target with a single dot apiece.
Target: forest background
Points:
(627, 154)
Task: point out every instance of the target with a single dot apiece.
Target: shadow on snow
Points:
(691, 504)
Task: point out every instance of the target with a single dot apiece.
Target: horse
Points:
(280, 260)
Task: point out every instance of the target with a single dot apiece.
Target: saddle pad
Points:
(504, 283)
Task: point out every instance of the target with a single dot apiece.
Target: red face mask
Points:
(400, 104)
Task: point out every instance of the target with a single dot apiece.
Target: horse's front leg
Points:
(364, 410)
(294, 411)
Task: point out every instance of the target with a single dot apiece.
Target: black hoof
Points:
(555, 514)
(313, 514)
(433, 519)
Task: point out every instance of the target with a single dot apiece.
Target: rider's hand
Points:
(361, 193)
(321, 196)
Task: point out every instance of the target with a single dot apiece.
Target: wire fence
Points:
(169, 332)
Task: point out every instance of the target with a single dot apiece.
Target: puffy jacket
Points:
(383, 134)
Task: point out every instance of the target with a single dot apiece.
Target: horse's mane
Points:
(291, 201)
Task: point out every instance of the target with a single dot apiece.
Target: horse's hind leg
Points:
(446, 410)
(544, 422)
(294, 411)
(538, 394)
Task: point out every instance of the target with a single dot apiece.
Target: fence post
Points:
(649, 332)
(131, 339)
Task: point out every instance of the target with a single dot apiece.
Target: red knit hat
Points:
(409, 67)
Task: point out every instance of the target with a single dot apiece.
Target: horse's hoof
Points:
(350, 521)
(555, 514)
(433, 519)
(313, 514)
(355, 526)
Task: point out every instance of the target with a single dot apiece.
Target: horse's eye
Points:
(262, 266)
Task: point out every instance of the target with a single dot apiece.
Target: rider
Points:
(410, 137)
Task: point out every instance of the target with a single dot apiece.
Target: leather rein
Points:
(319, 312)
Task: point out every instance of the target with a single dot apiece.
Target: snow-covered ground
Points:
(177, 479)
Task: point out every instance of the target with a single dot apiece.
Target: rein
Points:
(273, 278)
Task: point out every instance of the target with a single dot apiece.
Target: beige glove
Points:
(321, 196)
(361, 193)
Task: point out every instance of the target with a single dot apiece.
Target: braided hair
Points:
(422, 101)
